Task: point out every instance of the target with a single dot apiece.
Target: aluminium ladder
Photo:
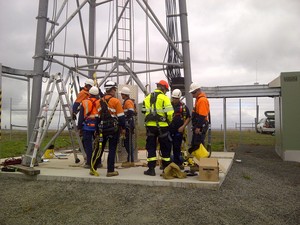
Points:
(43, 122)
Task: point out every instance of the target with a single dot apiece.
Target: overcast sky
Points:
(232, 42)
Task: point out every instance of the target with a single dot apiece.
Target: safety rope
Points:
(97, 152)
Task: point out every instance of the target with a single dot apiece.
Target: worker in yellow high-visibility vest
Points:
(158, 112)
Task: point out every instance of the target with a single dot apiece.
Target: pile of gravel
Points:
(261, 189)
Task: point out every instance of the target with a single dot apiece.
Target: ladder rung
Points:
(65, 105)
(122, 39)
(120, 28)
(173, 15)
(122, 6)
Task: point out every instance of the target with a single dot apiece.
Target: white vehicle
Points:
(267, 124)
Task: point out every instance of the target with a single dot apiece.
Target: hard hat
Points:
(164, 83)
(110, 84)
(89, 82)
(94, 90)
(125, 91)
(194, 86)
(176, 93)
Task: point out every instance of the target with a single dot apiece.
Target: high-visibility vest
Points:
(160, 111)
(90, 113)
(202, 106)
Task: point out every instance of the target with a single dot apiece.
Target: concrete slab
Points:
(64, 168)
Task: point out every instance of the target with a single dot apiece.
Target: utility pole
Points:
(186, 56)
(92, 26)
(38, 69)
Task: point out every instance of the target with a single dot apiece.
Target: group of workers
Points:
(165, 122)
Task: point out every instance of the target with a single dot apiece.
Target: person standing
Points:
(89, 122)
(82, 95)
(181, 118)
(129, 111)
(200, 116)
(116, 111)
(158, 112)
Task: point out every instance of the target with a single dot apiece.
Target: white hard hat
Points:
(89, 82)
(194, 86)
(94, 91)
(176, 93)
(125, 91)
(110, 84)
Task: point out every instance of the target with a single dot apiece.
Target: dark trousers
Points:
(129, 146)
(197, 139)
(176, 143)
(112, 148)
(153, 134)
(88, 137)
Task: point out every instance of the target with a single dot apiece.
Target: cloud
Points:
(249, 40)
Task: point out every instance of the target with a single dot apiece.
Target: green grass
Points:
(14, 144)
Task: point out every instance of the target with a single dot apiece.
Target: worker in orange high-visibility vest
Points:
(114, 107)
(129, 111)
(89, 122)
(199, 116)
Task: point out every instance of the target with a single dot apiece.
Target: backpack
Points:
(108, 124)
(129, 121)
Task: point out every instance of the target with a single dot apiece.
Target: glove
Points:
(74, 117)
(80, 133)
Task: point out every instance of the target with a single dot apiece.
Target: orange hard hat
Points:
(164, 83)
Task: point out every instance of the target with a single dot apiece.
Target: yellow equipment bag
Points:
(201, 152)
(173, 171)
(49, 154)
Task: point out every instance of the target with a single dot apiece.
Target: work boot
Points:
(94, 173)
(111, 174)
(126, 164)
(181, 167)
(150, 172)
(87, 166)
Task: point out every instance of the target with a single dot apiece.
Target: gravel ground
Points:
(261, 189)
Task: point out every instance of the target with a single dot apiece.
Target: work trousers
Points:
(198, 139)
(129, 145)
(164, 139)
(176, 144)
(112, 148)
(88, 137)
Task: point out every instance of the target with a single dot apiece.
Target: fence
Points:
(245, 126)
